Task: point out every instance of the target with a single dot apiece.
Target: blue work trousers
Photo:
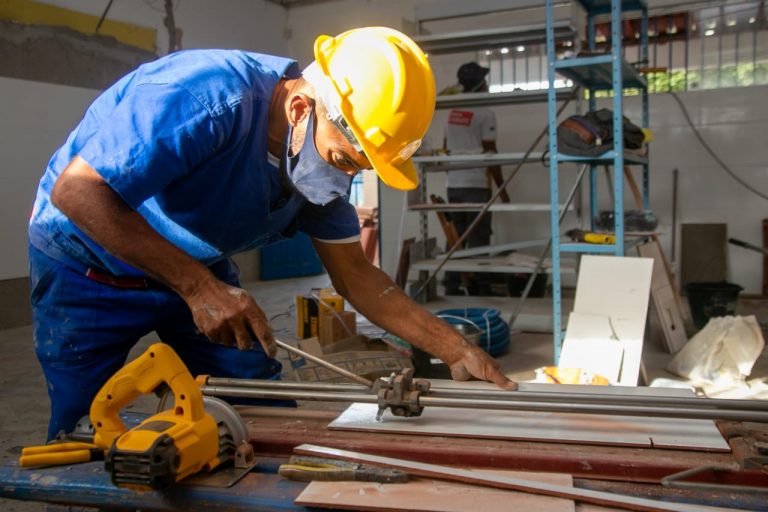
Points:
(84, 329)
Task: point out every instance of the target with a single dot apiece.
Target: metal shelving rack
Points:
(606, 72)
(480, 40)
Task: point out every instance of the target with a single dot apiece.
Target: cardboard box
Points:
(357, 358)
(308, 309)
(330, 297)
(336, 326)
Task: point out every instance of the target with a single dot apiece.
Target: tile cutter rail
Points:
(404, 396)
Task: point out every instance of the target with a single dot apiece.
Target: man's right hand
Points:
(230, 316)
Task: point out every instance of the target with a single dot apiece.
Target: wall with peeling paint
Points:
(51, 76)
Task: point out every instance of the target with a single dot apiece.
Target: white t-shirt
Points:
(465, 132)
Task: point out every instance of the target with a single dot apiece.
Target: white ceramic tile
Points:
(615, 287)
(546, 426)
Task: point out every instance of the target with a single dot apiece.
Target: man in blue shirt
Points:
(203, 154)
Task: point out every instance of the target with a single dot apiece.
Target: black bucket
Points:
(709, 300)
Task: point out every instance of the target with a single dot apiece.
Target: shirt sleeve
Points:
(335, 222)
(157, 133)
(489, 126)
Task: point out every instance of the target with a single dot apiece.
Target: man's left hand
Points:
(476, 363)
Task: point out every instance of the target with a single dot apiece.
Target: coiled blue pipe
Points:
(495, 331)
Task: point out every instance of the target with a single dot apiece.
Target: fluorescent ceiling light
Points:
(504, 50)
(709, 32)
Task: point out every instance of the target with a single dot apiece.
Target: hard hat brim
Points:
(400, 177)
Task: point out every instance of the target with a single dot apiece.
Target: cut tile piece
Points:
(613, 294)
(593, 344)
(428, 495)
(501, 482)
(615, 287)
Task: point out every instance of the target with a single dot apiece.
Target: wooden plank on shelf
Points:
(665, 304)
(597, 429)
(429, 495)
(474, 207)
(503, 482)
(493, 264)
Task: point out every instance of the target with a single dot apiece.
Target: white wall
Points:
(37, 117)
(733, 121)
(255, 25)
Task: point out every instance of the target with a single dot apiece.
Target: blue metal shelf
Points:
(607, 158)
(596, 72)
(604, 6)
(590, 248)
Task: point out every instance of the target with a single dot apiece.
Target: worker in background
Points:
(471, 131)
(203, 154)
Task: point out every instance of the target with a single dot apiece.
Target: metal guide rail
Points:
(404, 396)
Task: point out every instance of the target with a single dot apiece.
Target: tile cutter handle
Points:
(324, 363)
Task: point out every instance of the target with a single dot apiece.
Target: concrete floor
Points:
(24, 403)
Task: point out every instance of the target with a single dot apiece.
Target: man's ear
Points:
(299, 107)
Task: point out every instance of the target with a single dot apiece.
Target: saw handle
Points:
(158, 365)
(57, 454)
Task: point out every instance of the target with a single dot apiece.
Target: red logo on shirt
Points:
(460, 117)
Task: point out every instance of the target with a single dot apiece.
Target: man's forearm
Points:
(384, 304)
(82, 195)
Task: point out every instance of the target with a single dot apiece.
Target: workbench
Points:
(274, 432)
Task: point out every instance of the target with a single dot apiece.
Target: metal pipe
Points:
(678, 408)
(271, 394)
(344, 391)
(621, 410)
(277, 384)
(324, 363)
(584, 398)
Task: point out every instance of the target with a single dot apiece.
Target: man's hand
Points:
(229, 315)
(476, 363)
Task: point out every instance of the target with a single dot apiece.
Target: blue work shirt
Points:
(183, 141)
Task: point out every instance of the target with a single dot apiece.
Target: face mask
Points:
(314, 178)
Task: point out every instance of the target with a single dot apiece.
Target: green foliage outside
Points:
(710, 78)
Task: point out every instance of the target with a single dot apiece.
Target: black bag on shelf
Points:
(592, 134)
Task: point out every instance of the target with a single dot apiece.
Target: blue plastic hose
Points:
(495, 331)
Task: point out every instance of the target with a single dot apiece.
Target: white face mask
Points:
(314, 178)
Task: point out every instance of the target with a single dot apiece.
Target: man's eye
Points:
(343, 162)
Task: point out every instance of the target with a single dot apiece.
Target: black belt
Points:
(127, 282)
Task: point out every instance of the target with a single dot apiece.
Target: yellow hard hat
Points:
(380, 91)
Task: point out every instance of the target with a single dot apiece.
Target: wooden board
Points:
(501, 482)
(429, 495)
(540, 426)
(664, 299)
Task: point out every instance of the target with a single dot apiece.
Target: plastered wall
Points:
(37, 117)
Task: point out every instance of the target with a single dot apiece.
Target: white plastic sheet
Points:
(722, 354)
